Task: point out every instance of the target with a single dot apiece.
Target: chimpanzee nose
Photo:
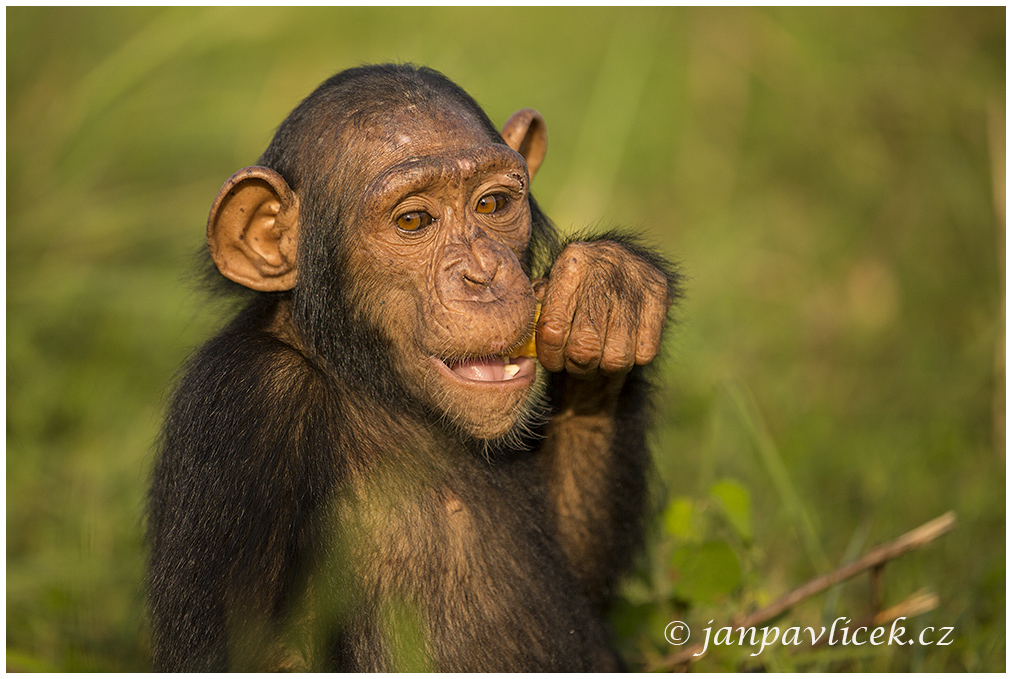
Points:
(481, 267)
(479, 276)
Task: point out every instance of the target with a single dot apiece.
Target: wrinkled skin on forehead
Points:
(453, 289)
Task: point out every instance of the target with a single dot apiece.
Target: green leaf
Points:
(706, 572)
(736, 503)
(678, 518)
(636, 591)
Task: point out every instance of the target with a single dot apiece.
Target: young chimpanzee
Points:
(365, 470)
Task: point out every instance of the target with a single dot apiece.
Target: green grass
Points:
(825, 176)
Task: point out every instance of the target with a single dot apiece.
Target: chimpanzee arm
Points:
(604, 307)
(246, 459)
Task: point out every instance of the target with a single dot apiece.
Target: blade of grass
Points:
(608, 123)
(773, 463)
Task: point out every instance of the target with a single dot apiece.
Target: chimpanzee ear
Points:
(253, 228)
(526, 134)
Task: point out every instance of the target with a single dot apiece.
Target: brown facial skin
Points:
(441, 230)
(436, 244)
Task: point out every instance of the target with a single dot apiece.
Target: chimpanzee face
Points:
(436, 221)
(437, 241)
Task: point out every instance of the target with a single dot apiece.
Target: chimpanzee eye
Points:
(413, 221)
(491, 203)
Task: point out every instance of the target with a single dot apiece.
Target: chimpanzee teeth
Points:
(511, 370)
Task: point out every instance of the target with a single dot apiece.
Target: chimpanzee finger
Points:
(619, 352)
(651, 325)
(586, 337)
(555, 322)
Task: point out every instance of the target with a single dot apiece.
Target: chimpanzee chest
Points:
(469, 569)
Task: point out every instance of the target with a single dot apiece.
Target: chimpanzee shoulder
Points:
(249, 456)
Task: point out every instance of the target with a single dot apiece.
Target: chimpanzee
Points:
(365, 470)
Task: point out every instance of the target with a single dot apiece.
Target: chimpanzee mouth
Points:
(492, 369)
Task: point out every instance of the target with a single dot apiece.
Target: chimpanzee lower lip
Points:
(490, 370)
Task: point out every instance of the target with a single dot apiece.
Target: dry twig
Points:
(874, 559)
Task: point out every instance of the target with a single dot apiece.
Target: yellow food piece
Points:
(529, 349)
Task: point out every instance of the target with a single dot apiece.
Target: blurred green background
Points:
(832, 181)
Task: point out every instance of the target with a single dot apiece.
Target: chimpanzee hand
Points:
(603, 309)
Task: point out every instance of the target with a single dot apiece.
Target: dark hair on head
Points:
(303, 145)
(359, 94)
